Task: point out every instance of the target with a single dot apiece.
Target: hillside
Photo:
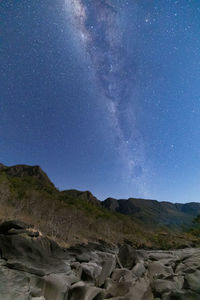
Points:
(155, 212)
(71, 217)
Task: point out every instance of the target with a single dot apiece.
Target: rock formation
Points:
(33, 267)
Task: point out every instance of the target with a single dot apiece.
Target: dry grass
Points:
(70, 221)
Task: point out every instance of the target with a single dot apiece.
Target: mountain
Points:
(72, 216)
(86, 196)
(25, 171)
(148, 211)
(155, 212)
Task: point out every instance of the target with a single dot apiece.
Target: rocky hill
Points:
(24, 171)
(71, 216)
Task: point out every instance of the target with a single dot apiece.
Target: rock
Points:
(30, 254)
(13, 284)
(56, 286)
(141, 290)
(193, 281)
(90, 271)
(33, 267)
(181, 295)
(158, 255)
(84, 253)
(127, 256)
(148, 295)
(35, 292)
(190, 263)
(33, 233)
(82, 291)
(139, 269)
(122, 275)
(76, 267)
(129, 290)
(12, 264)
(117, 289)
(84, 257)
(158, 270)
(12, 224)
(161, 286)
(120, 284)
(108, 266)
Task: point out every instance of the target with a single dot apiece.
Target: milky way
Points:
(97, 25)
(104, 95)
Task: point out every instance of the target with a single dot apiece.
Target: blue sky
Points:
(103, 95)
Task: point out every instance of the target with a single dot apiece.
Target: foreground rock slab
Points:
(33, 267)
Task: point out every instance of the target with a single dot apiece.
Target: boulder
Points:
(161, 286)
(56, 286)
(108, 266)
(35, 291)
(90, 271)
(77, 269)
(127, 256)
(116, 289)
(5, 227)
(190, 263)
(120, 283)
(193, 281)
(141, 290)
(82, 291)
(139, 269)
(181, 295)
(30, 254)
(83, 257)
(158, 270)
(13, 284)
(122, 275)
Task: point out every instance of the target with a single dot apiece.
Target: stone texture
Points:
(127, 256)
(139, 269)
(90, 271)
(33, 267)
(108, 266)
(158, 270)
(193, 281)
(83, 291)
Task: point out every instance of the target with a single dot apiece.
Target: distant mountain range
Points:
(155, 212)
(27, 193)
(148, 211)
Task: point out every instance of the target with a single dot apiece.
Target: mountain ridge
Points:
(71, 216)
(146, 210)
(153, 211)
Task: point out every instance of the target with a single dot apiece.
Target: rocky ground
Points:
(32, 267)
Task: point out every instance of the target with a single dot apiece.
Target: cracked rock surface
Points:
(32, 267)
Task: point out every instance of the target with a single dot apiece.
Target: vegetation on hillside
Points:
(195, 228)
(71, 220)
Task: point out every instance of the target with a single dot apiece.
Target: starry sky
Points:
(104, 95)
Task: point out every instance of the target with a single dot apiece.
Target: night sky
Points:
(104, 95)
